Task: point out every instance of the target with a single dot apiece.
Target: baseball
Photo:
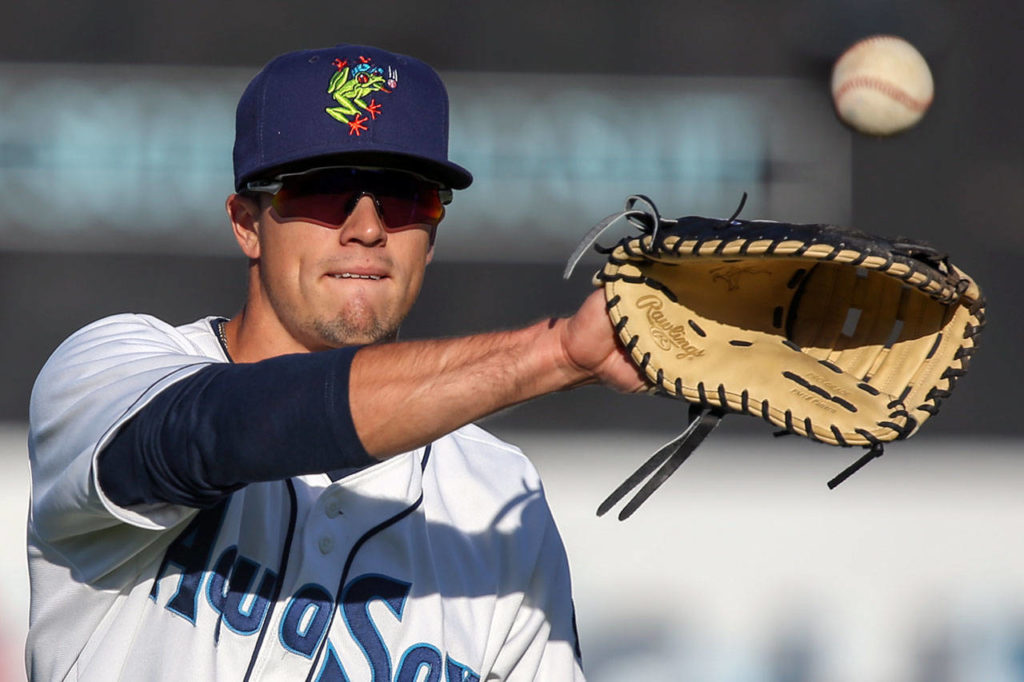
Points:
(881, 85)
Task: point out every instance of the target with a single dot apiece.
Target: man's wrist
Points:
(565, 372)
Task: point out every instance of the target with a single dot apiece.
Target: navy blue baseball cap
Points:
(349, 105)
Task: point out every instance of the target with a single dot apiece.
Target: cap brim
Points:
(449, 174)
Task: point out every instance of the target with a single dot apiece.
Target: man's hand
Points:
(590, 345)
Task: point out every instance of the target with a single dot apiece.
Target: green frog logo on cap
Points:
(349, 88)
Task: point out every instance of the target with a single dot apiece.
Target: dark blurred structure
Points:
(954, 180)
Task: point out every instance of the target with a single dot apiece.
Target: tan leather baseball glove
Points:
(829, 333)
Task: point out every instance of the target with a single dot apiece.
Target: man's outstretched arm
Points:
(404, 395)
(229, 425)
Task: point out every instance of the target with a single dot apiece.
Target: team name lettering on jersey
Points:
(240, 591)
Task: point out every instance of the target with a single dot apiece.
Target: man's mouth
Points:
(352, 275)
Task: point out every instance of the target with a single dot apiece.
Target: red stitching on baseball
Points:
(869, 41)
(886, 88)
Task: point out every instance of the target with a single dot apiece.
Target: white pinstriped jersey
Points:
(441, 564)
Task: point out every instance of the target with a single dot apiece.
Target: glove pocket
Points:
(720, 332)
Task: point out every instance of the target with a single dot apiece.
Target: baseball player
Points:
(291, 493)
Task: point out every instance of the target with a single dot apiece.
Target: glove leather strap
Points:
(669, 457)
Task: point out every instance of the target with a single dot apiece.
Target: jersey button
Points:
(326, 544)
(332, 508)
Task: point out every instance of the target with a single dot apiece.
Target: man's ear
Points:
(244, 214)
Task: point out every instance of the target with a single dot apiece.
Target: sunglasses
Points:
(327, 196)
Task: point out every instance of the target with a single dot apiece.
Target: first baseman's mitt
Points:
(826, 332)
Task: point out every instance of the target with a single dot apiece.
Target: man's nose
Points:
(363, 224)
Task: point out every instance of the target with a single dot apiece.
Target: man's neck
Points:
(251, 339)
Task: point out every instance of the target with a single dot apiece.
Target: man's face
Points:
(333, 286)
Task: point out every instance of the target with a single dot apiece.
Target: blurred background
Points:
(116, 125)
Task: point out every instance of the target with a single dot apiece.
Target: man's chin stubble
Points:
(340, 332)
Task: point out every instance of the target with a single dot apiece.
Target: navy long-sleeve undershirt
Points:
(229, 425)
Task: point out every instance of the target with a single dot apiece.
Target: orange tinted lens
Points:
(326, 209)
(424, 209)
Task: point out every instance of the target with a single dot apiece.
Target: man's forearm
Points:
(403, 395)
